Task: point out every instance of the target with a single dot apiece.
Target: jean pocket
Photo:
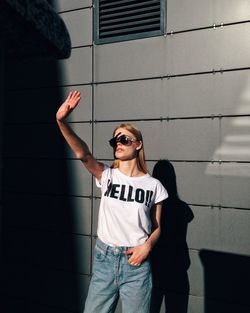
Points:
(99, 254)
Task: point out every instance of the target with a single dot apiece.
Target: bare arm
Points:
(79, 147)
(141, 253)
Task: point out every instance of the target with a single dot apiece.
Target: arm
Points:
(79, 147)
(141, 253)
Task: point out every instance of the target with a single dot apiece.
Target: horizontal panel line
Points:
(76, 9)
(168, 119)
(82, 46)
(217, 206)
(190, 161)
(36, 158)
(50, 268)
(44, 194)
(167, 76)
(39, 123)
(156, 119)
(214, 26)
(45, 230)
(47, 87)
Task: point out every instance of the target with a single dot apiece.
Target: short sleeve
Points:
(161, 192)
(104, 176)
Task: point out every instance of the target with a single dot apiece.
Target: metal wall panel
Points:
(78, 68)
(195, 186)
(62, 251)
(63, 214)
(47, 176)
(132, 59)
(204, 230)
(225, 93)
(66, 5)
(79, 25)
(181, 139)
(41, 105)
(235, 185)
(182, 15)
(83, 112)
(45, 141)
(176, 139)
(235, 140)
(75, 70)
(204, 50)
(235, 231)
(95, 214)
(62, 290)
(195, 274)
(80, 182)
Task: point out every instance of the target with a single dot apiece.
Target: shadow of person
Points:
(170, 257)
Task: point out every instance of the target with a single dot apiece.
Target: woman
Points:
(129, 218)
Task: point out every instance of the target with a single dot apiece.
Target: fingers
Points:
(129, 252)
(73, 99)
(134, 262)
(74, 94)
(133, 259)
(137, 255)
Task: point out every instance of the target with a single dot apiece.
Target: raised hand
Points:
(68, 105)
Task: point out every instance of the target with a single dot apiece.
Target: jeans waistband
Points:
(108, 248)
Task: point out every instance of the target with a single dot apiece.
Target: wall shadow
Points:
(227, 281)
(39, 236)
(170, 257)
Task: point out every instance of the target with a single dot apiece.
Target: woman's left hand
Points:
(138, 254)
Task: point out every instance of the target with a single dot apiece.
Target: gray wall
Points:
(193, 109)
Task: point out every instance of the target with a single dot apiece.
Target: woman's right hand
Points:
(68, 105)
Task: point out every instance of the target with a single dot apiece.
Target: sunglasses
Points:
(123, 139)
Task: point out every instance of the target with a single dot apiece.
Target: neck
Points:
(130, 168)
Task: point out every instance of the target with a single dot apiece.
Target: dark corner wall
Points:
(188, 92)
(45, 268)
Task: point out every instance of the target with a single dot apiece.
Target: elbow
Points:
(84, 157)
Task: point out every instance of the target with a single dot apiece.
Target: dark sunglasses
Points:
(123, 139)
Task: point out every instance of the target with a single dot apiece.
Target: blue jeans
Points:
(114, 277)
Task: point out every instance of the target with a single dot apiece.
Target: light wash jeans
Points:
(114, 277)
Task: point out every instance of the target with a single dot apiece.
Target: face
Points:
(125, 144)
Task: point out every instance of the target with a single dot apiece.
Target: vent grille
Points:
(127, 19)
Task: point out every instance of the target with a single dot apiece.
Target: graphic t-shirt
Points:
(124, 213)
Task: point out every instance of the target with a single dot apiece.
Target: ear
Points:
(139, 146)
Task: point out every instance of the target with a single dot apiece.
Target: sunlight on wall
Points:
(235, 146)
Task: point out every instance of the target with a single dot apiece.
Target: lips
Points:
(119, 150)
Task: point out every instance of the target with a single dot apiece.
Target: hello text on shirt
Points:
(128, 193)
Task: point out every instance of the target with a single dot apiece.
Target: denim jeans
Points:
(114, 277)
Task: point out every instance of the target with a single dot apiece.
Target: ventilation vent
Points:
(117, 20)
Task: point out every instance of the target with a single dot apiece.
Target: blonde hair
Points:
(141, 163)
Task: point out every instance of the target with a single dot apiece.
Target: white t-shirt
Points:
(124, 213)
